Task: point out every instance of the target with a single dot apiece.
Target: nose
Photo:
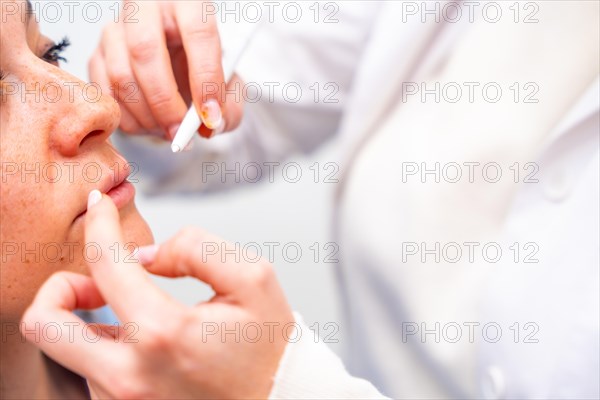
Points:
(81, 115)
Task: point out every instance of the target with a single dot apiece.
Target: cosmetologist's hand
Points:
(160, 56)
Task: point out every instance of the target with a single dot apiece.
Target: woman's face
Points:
(54, 150)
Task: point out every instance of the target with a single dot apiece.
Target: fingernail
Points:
(146, 254)
(219, 129)
(94, 198)
(210, 113)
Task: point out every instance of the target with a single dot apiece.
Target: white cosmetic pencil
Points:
(192, 122)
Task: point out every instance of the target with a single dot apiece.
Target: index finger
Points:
(151, 65)
(202, 46)
(124, 284)
(195, 253)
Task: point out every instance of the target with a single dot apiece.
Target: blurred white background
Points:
(268, 212)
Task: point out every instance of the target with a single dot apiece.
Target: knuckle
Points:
(120, 76)
(131, 389)
(58, 279)
(159, 100)
(200, 32)
(188, 238)
(156, 338)
(143, 50)
(260, 275)
(206, 76)
(185, 327)
(206, 82)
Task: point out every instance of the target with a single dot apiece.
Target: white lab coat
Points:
(386, 291)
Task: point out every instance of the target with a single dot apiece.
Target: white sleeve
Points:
(310, 370)
(318, 58)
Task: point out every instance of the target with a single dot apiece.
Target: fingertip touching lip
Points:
(115, 184)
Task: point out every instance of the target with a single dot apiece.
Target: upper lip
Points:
(110, 180)
(115, 179)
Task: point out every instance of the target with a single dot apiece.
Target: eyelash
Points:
(53, 54)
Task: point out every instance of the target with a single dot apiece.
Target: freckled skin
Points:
(39, 232)
(37, 212)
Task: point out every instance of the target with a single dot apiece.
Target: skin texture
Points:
(40, 231)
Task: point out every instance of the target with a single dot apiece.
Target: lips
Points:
(115, 185)
(122, 194)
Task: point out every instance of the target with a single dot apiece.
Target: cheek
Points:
(32, 229)
(25, 198)
(29, 252)
(29, 202)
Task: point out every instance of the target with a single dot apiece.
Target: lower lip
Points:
(121, 195)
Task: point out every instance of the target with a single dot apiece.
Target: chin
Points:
(136, 232)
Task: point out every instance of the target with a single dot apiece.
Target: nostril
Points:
(90, 136)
